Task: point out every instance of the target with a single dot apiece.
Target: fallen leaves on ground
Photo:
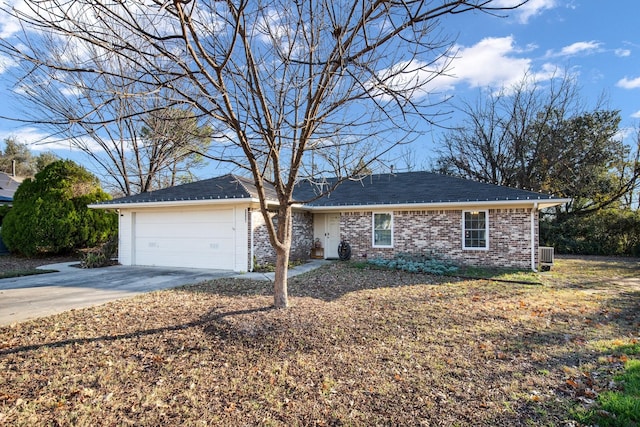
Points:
(357, 347)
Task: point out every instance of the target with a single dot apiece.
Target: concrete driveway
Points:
(29, 297)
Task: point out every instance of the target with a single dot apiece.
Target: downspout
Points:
(534, 211)
(250, 214)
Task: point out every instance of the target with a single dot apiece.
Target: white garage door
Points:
(196, 239)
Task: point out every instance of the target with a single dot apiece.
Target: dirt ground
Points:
(16, 263)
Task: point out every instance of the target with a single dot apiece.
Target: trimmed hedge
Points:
(50, 213)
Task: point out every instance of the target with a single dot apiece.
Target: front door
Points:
(332, 235)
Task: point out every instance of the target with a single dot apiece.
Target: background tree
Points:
(44, 159)
(139, 139)
(278, 80)
(26, 164)
(541, 138)
(50, 214)
(172, 146)
(16, 156)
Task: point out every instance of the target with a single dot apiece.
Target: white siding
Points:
(125, 236)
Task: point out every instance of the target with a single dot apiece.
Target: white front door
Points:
(332, 235)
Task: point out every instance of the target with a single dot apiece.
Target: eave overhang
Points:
(454, 204)
(174, 203)
(468, 204)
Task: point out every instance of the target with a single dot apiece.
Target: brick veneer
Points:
(301, 242)
(439, 233)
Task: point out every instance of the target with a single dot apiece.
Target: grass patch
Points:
(358, 347)
(623, 407)
(20, 273)
(619, 404)
(501, 274)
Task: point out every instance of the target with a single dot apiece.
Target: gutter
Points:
(534, 211)
(171, 203)
(251, 250)
(537, 204)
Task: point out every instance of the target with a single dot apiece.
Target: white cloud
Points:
(528, 10)
(636, 115)
(71, 91)
(622, 52)
(35, 139)
(490, 63)
(584, 48)
(9, 26)
(626, 83)
(40, 141)
(580, 47)
(414, 79)
(493, 64)
(548, 71)
(625, 132)
(6, 63)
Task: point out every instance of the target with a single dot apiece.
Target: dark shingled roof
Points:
(223, 187)
(409, 188)
(384, 189)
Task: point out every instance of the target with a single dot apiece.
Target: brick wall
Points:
(439, 233)
(301, 241)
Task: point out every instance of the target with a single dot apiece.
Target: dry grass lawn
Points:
(358, 347)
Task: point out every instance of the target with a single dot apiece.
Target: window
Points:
(475, 230)
(382, 230)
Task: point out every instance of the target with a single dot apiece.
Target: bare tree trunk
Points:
(280, 291)
(283, 250)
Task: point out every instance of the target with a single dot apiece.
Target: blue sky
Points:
(598, 42)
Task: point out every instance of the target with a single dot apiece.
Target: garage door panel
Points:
(214, 215)
(198, 239)
(190, 232)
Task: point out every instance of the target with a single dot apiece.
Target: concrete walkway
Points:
(29, 297)
(300, 269)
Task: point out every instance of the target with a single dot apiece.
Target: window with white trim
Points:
(382, 230)
(475, 230)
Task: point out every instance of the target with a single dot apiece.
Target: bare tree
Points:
(111, 116)
(495, 140)
(278, 79)
(541, 137)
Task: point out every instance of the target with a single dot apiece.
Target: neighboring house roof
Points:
(8, 186)
(399, 189)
